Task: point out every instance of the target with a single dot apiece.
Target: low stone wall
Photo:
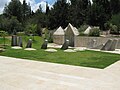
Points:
(58, 39)
(83, 41)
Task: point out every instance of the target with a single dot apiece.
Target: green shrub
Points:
(83, 28)
(95, 32)
(114, 29)
(82, 34)
(20, 33)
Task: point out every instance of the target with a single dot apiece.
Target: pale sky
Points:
(34, 4)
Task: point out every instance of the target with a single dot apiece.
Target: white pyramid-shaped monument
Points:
(87, 31)
(59, 31)
(73, 29)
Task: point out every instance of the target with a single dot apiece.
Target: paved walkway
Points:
(19, 74)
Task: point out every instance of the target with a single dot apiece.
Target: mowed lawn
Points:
(86, 58)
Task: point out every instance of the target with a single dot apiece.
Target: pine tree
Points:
(59, 14)
(100, 13)
(14, 8)
(115, 6)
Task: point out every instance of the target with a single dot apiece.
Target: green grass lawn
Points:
(83, 58)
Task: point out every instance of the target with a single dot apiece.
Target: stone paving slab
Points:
(20, 74)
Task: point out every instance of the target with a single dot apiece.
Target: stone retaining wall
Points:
(83, 41)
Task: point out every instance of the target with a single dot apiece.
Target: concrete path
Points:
(20, 74)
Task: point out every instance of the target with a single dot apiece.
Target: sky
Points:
(34, 4)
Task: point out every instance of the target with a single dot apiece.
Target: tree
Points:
(14, 24)
(3, 34)
(14, 8)
(99, 13)
(26, 10)
(31, 29)
(78, 12)
(59, 14)
(115, 20)
(115, 6)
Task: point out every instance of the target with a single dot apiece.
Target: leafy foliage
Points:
(18, 16)
(95, 32)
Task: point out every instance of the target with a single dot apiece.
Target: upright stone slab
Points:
(107, 45)
(113, 45)
(44, 45)
(29, 44)
(118, 44)
(20, 42)
(14, 40)
(65, 45)
(92, 43)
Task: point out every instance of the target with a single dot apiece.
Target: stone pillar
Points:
(20, 42)
(29, 44)
(118, 44)
(14, 40)
(107, 45)
(113, 45)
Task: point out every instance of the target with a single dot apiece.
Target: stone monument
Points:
(29, 44)
(107, 45)
(65, 45)
(44, 45)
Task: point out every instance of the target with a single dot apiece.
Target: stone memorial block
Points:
(44, 45)
(65, 45)
(14, 40)
(113, 45)
(118, 44)
(29, 44)
(20, 42)
(107, 45)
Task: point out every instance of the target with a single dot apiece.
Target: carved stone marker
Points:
(65, 45)
(113, 45)
(107, 45)
(118, 44)
(14, 40)
(44, 45)
(20, 42)
(29, 44)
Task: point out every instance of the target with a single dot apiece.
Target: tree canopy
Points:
(19, 15)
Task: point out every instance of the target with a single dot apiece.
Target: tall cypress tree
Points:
(26, 10)
(115, 6)
(100, 13)
(59, 14)
(78, 10)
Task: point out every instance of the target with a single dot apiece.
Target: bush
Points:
(20, 33)
(95, 32)
(82, 34)
(83, 28)
(114, 29)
